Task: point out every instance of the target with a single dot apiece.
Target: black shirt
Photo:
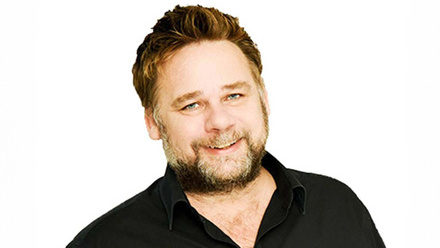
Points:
(306, 210)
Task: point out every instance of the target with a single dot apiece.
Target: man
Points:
(198, 75)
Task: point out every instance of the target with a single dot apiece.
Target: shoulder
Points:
(324, 193)
(134, 213)
(330, 197)
(334, 205)
(321, 184)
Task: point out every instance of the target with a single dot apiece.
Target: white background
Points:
(354, 88)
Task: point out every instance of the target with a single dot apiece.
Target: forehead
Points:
(203, 66)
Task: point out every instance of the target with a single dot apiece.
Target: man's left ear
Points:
(152, 126)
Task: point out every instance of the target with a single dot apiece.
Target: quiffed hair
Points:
(182, 26)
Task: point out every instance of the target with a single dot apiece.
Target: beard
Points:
(207, 174)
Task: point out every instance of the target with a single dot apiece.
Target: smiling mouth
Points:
(223, 146)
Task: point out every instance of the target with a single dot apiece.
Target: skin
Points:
(208, 100)
(209, 87)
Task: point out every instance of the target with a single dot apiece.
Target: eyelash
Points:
(235, 94)
(188, 107)
(195, 105)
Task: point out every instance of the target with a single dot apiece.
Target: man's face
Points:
(212, 117)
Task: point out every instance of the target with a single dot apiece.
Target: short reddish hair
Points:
(182, 26)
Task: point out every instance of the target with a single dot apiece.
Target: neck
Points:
(242, 221)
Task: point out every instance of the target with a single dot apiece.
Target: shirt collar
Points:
(172, 194)
(286, 180)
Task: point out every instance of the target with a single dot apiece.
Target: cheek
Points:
(253, 116)
(184, 130)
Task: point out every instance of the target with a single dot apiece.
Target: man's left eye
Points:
(234, 96)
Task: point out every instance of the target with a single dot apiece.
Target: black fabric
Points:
(306, 210)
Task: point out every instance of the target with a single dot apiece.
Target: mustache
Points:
(220, 139)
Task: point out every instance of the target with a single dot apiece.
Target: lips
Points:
(223, 146)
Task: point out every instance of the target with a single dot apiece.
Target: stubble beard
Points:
(202, 174)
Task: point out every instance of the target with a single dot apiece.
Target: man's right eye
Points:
(191, 106)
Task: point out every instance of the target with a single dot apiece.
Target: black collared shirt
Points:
(306, 210)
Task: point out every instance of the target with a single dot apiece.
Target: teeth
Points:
(222, 146)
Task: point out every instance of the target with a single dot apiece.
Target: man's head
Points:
(198, 76)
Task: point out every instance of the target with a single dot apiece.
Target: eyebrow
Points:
(185, 97)
(237, 85)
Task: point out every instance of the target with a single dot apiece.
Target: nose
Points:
(218, 119)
